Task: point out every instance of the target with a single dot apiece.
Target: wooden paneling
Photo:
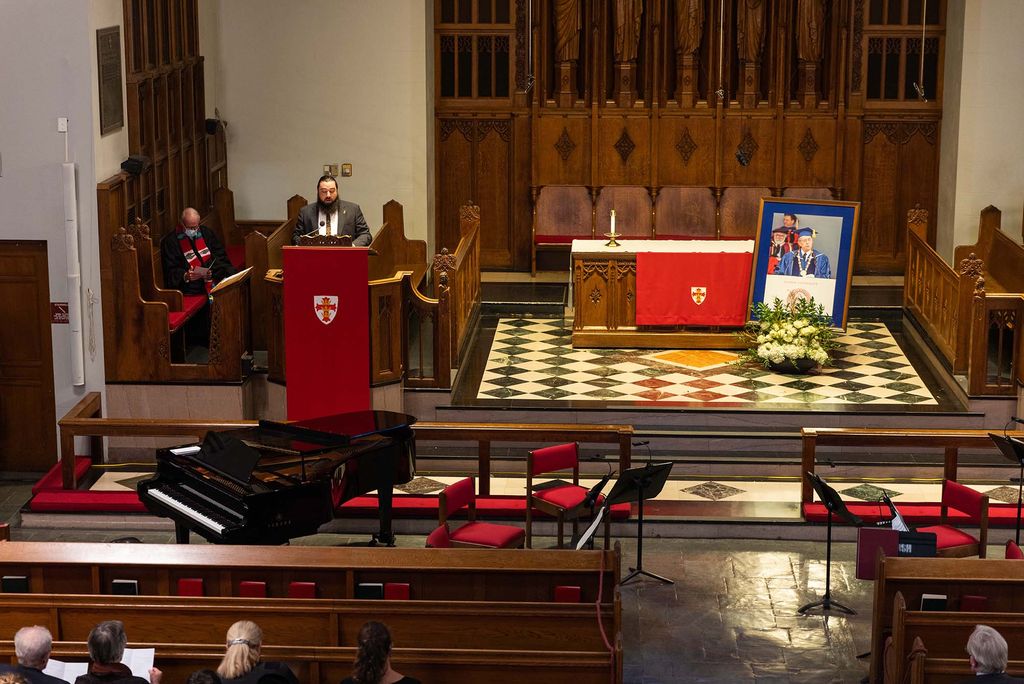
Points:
(454, 178)
(27, 414)
(492, 178)
(561, 151)
(623, 150)
(686, 150)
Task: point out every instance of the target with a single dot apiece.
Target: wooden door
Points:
(474, 164)
(28, 439)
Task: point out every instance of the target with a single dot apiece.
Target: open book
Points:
(231, 279)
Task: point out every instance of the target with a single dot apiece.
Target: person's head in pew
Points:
(107, 642)
(203, 677)
(244, 641)
(32, 645)
(12, 678)
(373, 659)
(988, 650)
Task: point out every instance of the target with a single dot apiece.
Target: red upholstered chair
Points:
(950, 541)
(474, 534)
(439, 538)
(1013, 551)
(561, 501)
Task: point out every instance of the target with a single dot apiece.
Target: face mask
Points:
(192, 232)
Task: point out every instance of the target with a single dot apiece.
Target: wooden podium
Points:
(326, 330)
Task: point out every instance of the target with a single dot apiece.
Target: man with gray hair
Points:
(989, 653)
(106, 649)
(32, 646)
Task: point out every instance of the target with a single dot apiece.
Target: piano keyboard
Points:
(189, 510)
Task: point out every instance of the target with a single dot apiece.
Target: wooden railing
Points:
(971, 314)
(86, 419)
(950, 441)
(438, 330)
(939, 297)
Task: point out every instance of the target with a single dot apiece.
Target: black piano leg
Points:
(180, 533)
(386, 537)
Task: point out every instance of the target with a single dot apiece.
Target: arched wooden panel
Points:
(685, 212)
(632, 205)
(739, 211)
(808, 193)
(564, 210)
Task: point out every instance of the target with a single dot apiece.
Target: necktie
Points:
(327, 217)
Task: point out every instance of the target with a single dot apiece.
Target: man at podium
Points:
(330, 215)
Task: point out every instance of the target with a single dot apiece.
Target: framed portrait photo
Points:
(804, 250)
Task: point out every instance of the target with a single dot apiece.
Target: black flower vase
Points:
(794, 366)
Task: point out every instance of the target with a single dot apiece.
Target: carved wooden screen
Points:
(167, 112)
(744, 97)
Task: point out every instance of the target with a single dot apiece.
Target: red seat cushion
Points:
(396, 591)
(305, 590)
(236, 255)
(566, 496)
(192, 304)
(489, 534)
(439, 538)
(176, 319)
(1013, 551)
(947, 537)
(190, 586)
(252, 589)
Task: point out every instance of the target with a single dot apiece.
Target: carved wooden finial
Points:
(972, 266)
(979, 288)
(917, 215)
(122, 241)
(139, 228)
(469, 211)
(444, 262)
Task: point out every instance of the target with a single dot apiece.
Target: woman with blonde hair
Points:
(241, 663)
(373, 660)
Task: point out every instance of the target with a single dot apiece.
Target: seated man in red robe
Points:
(194, 260)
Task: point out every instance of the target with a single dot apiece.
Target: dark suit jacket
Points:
(31, 675)
(350, 216)
(175, 266)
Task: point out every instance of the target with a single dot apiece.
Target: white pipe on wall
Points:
(74, 273)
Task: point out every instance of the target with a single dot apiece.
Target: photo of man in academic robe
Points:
(783, 238)
(805, 261)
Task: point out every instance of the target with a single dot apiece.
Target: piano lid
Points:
(358, 423)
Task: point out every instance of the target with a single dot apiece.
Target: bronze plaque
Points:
(108, 58)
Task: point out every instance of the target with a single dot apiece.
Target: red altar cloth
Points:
(692, 288)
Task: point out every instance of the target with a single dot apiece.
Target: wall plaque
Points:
(108, 59)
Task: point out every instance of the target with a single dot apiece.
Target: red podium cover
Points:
(692, 288)
(326, 330)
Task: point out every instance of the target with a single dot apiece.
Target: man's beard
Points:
(328, 207)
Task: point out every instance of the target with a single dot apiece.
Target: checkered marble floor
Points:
(533, 359)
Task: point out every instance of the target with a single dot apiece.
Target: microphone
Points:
(645, 443)
(642, 443)
(1015, 419)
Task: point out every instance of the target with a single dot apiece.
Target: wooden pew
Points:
(945, 633)
(926, 669)
(85, 419)
(263, 252)
(395, 252)
(322, 665)
(432, 574)
(1001, 581)
(137, 336)
(320, 622)
(969, 312)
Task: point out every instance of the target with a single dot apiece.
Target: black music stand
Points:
(637, 484)
(1013, 449)
(835, 506)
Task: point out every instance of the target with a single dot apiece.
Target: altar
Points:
(686, 294)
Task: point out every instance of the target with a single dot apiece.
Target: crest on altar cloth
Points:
(325, 307)
(698, 295)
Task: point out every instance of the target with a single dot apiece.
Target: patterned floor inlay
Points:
(715, 491)
(533, 359)
(421, 485)
(869, 492)
(1004, 494)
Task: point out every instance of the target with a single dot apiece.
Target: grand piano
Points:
(271, 483)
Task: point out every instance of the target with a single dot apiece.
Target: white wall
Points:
(40, 80)
(310, 82)
(209, 48)
(984, 162)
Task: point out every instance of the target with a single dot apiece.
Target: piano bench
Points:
(250, 589)
(191, 586)
(302, 590)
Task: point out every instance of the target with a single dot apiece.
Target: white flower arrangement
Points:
(779, 333)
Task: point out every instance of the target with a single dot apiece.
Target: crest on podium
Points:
(325, 307)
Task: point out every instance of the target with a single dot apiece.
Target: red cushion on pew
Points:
(67, 500)
(489, 534)
(53, 478)
(192, 303)
(236, 255)
(568, 594)
(176, 319)
(915, 513)
(305, 590)
(558, 239)
(190, 586)
(418, 506)
(396, 591)
(250, 589)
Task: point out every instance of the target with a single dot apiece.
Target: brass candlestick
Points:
(611, 239)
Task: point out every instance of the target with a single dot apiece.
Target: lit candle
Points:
(613, 221)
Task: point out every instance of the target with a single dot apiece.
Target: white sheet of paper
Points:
(187, 450)
(593, 526)
(69, 672)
